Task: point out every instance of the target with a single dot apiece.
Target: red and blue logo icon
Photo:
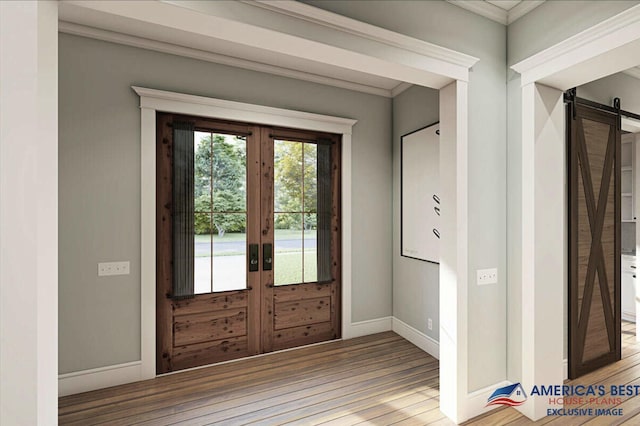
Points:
(512, 395)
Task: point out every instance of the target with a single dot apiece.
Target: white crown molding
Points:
(342, 23)
(399, 89)
(588, 44)
(483, 8)
(174, 49)
(521, 9)
(496, 13)
(219, 33)
(232, 110)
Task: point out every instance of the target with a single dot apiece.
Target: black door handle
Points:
(253, 257)
(267, 257)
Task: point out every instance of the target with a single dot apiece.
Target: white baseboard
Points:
(98, 378)
(477, 400)
(629, 316)
(565, 369)
(364, 328)
(418, 338)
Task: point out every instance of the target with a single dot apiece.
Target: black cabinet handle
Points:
(633, 267)
(267, 257)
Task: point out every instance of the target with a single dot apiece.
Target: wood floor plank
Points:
(407, 412)
(273, 364)
(201, 391)
(631, 421)
(255, 410)
(312, 408)
(362, 411)
(374, 380)
(249, 392)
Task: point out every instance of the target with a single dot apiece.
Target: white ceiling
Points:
(505, 4)
(503, 11)
(212, 31)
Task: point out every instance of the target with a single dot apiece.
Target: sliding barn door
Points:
(594, 238)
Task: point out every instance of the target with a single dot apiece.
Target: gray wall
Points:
(546, 25)
(447, 25)
(99, 319)
(415, 282)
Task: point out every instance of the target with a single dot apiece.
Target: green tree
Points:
(295, 167)
(220, 184)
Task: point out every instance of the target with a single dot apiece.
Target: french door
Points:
(594, 238)
(248, 240)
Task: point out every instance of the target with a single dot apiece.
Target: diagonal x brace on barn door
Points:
(596, 217)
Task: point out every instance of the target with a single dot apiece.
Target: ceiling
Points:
(215, 32)
(504, 4)
(503, 11)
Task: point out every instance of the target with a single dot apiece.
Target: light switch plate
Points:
(487, 276)
(106, 269)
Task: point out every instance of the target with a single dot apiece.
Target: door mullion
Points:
(253, 237)
(267, 236)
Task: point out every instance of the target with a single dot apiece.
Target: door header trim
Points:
(161, 100)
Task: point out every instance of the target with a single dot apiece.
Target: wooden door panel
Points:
(208, 327)
(302, 312)
(164, 269)
(209, 353)
(303, 335)
(203, 328)
(300, 292)
(210, 302)
(594, 239)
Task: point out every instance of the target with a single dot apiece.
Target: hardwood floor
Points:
(379, 380)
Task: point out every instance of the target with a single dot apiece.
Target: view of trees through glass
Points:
(220, 217)
(220, 201)
(296, 193)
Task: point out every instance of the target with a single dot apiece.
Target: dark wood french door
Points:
(594, 238)
(248, 240)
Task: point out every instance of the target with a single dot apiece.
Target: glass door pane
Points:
(297, 174)
(220, 223)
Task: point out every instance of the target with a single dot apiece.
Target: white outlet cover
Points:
(106, 269)
(487, 276)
